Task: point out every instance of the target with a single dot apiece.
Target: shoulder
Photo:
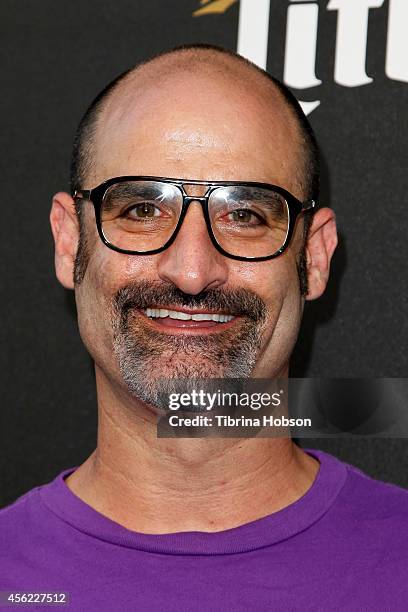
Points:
(18, 505)
(378, 499)
(364, 505)
(27, 518)
(373, 515)
(360, 492)
(29, 508)
(18, 532)
(17, 514)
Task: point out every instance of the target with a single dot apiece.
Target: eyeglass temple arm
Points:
(309, 204)
(82, 194)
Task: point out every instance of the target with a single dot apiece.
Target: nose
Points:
(192, 262)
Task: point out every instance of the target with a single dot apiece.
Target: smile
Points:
(185, 321)
(163, 313)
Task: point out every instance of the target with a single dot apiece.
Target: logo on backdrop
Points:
(299, 70)
(213, 6)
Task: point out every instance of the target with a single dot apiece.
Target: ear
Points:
(320, 247)
(65, 229)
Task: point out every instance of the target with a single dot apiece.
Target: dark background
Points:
(56, 55)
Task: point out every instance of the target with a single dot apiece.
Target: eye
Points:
(245, 216)
(144, 210)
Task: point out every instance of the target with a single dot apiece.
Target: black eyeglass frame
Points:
(96, 195)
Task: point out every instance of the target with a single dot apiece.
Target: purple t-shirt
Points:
(342, 546)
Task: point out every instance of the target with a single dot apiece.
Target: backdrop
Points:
(346, 60)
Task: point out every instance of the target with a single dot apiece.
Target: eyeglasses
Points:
(142, 215)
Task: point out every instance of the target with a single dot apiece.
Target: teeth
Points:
(161, 313)
(201, 317)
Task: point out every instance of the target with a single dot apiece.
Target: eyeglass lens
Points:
(246, 221)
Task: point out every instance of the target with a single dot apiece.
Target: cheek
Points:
(276, 282)
(107, 272)
(285, 307)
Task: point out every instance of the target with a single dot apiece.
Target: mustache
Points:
(156, 294)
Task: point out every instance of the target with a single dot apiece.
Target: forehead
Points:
(210, 125)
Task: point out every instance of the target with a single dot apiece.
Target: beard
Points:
(153, 364)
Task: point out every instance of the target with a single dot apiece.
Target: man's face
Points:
(194, 128)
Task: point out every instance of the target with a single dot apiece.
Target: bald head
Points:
(207, 85)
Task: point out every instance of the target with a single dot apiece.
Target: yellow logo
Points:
(213, 6)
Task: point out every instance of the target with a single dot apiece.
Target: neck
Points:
(166, 485)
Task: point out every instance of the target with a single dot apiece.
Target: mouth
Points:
(190, 321)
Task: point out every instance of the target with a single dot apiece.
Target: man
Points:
(177, 278)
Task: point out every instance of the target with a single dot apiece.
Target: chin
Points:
(199, 367)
